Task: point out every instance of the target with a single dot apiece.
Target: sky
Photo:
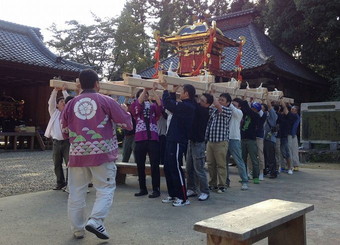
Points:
(42, 13)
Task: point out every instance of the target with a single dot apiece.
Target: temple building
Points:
(262, 61)
(26, 67)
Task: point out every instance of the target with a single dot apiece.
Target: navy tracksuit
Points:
(176, 142)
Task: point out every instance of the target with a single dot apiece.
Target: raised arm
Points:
(52, 102)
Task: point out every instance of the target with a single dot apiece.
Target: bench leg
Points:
(217, 240)
(120, 178)
(292, 232)
(15, 142)
(32, 143)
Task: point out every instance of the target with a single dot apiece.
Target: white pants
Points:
(293, 147)
(103, 178)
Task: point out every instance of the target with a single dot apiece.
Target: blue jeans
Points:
(195, 167)
(236, 151)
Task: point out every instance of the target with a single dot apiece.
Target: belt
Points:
(55, 140)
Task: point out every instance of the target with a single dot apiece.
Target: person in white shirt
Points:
(61, 146)
(235, 141)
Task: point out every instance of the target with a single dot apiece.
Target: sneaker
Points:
(141, 193)
(66, 189)
(191, 193)
(296, 168)
(244, 187)
(213, 188)
(290, 171)
(180, 203)
(272, 176)
(203, 196)
(59, 187)
(97, 229)
(154, 194)
(250, 175)
(169, 200)
(261, 177)
(79, 234)
(256, 181)
(221, 190)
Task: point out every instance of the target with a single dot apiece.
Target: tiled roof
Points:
(23, 45)
(149, 72)
(257, 51)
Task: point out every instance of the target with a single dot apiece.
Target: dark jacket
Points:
(249, 123)
(182, 117)
(199, 126)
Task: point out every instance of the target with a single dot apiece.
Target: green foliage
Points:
(131, 48)
(90, 45)
(310, 30)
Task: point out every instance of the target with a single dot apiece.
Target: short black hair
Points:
(68, 98)
(59, 99)
(238, 100)
(139, 92)
(265, 107)
(190, 90)
(226, 96)
(210, 98)
(88, 78)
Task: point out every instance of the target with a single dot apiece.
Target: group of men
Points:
(200, 128)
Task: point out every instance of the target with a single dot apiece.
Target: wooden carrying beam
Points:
(139, 82)
(194, 81)
(109, 88)
(131, 85)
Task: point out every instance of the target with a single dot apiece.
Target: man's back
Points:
(90, 119)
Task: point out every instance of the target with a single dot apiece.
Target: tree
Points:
(283, 22)
(310, 30)
(90, 45)
(239, 5)
(131, 48)
(169, 15)
(218, 7)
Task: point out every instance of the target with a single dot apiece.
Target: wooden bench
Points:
(283, 222)
(16, 136)
(302, 156)
(124, 168)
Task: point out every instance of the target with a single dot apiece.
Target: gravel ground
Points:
(25, 171)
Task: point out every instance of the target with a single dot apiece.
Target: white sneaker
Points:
(180, 203)
(244, 187)
(79, 234)
(203, 197)
(261, 177)
(169, 200)
(66, 190)
(290, 171)
(97, 229)
(191, 193)
(250, 175)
